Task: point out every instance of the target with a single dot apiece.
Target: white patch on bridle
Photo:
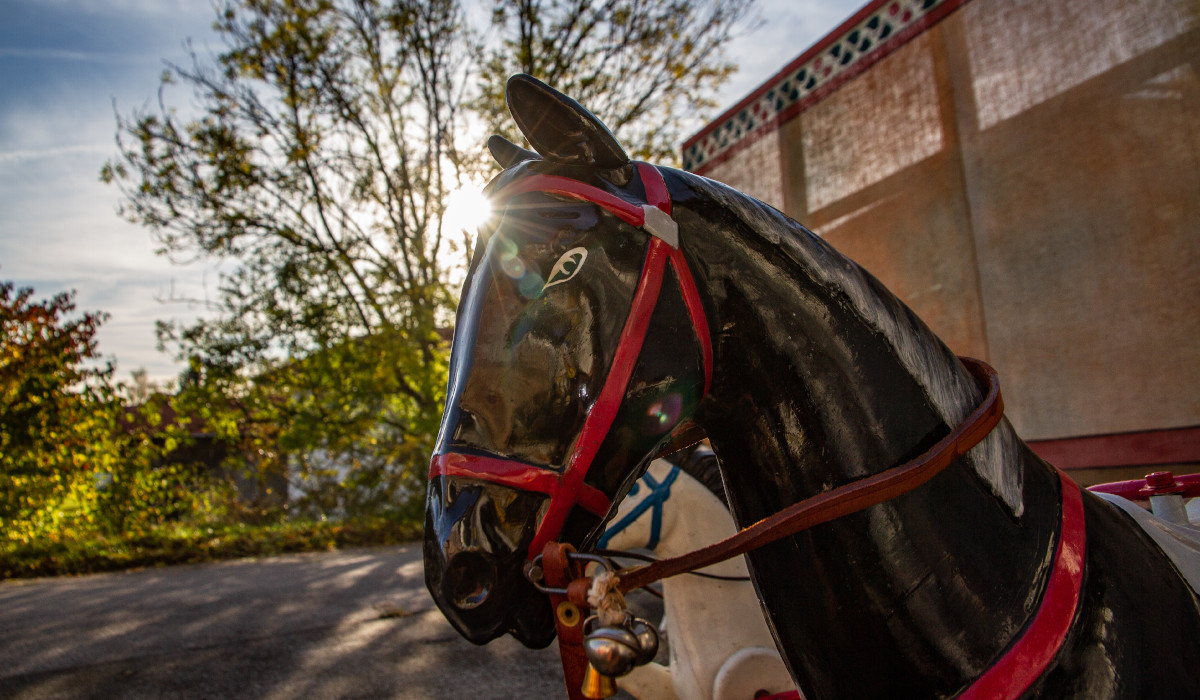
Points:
(953, 394)
(659, 224)
(568, 265)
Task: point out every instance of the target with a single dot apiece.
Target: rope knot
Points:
(605, 598)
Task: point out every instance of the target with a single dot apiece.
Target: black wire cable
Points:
(619, 554)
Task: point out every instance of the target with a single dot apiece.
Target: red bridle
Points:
(567, 489)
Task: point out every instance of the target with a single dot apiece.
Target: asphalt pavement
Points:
(348, 624)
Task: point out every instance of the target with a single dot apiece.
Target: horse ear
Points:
(559, 128)
(507, 153)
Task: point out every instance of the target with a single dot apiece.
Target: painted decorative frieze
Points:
(879, 28)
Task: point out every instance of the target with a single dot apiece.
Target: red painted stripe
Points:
(657, 195)
(656, 188)
(569, 487)
(516, 474)
(506, 471)
(602, 413)
(691, 299)
(554, 184)
(1144, 448)
(1033, 651)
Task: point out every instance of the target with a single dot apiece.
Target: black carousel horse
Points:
(611, 305)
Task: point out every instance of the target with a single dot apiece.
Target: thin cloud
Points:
(55, 152)
(70, 55)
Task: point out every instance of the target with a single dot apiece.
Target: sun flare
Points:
(466, 209)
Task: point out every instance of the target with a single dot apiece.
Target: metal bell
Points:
(596, 685)
(612, 651)
(647, 638)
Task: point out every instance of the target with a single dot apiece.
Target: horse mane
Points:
(699, 462)
(922, 353)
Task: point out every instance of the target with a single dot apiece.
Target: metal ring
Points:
(587, 556)
(535, 574)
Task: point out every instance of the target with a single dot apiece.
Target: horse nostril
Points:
(469, 579)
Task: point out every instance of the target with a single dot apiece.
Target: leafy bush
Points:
(188, 544)
(90, 484)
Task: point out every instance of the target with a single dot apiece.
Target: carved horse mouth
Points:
(474, 576)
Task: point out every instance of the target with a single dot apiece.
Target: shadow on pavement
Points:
(352, 624)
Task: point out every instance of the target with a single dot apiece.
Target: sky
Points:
(66, 65)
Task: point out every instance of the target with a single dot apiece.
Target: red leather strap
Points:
(513, 473)
(844, 499)
(568, 617)
(1031, 653)
(608, 403)
(628, 212)
(795, 518)
(568, 488)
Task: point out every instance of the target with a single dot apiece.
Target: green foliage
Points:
(320, 162)
(325, 139)
(88, 483)
(56, 421)
(190, 544)
(71, 461)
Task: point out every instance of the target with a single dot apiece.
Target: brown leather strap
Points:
(562, 574)
(844, 499)
(568, 617)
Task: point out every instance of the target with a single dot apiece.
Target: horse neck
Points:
(821, 378)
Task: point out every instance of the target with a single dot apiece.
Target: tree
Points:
(642, 66)
(320, 162)
(329, 134)
(324, 151)
(72, 456)
(54, 409)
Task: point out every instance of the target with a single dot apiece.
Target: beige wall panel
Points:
(874, 126)
(1026, 176)
(889, 188)
(1024, 52)
(1086, 208)
(754, 170)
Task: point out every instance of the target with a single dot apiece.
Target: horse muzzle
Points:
(475, 574)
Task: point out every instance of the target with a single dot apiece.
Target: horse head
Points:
(583, 349)
(579, 349)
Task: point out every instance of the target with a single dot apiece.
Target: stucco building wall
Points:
(1025, 174)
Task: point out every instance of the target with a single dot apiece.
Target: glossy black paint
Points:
(559, 128)
(814, 386)
(479, 586)
(539, 355)
(528, 362)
